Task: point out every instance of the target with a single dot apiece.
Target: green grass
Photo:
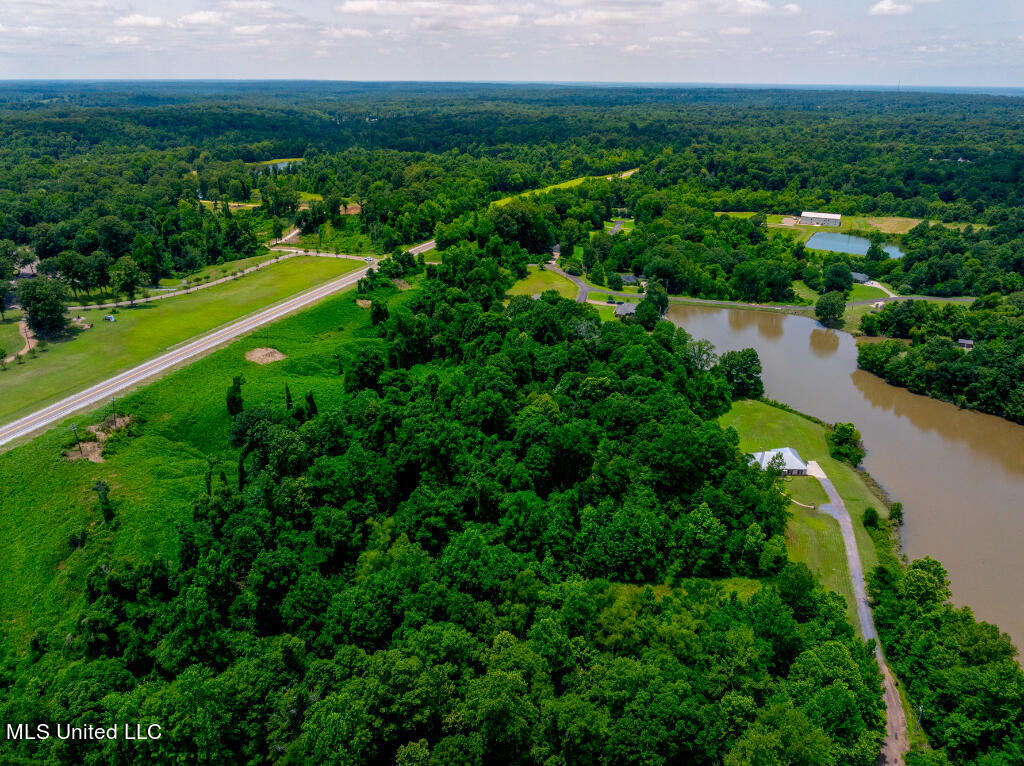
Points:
(762, 426)
(805, 489)
(865, 293)
(10, 338)
(148, 329)
(347, 238)
(156, 474)
(803, 291)
(563, 185)
(538, 281)
(814, 538)
(264, 163)
(607, 313)
(628, 224)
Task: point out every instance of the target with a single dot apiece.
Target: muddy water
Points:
(959, 474)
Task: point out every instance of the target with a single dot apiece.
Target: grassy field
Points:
(563, 185)
(762, 426)
(538, 281)
(148, 329)
(814, 539)
(891, 224)
(628, 224)
(156, 473)
(345, 239)
(10, 339)
(264, 163)
(217, 270)
(865, 293)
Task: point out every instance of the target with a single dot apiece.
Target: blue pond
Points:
(847, 243)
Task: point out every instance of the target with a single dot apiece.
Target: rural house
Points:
(792, 465)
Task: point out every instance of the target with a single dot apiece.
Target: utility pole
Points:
(78, 443)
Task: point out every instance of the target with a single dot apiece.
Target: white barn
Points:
(808, 218)
(792, 465)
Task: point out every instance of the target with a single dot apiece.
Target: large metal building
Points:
(808, 218)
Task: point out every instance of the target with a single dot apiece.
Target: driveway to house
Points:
(896, 741)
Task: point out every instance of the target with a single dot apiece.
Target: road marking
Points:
(197, 347)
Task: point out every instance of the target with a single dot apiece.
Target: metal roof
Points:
(833, 216)
(625, 308)
(790, 459)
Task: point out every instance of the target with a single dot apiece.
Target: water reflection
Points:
(959, 474)
(996, 438)
(824, 343)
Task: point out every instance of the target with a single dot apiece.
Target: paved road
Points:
(896, 742)
(205, 344)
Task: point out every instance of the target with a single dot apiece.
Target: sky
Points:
(841, 42)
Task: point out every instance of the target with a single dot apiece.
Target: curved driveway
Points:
(896, 742)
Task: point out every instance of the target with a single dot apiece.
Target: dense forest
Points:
(522, 538)
(988, 377)
(486, 555)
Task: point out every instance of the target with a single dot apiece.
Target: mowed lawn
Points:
(11, 341)
(142, 332)
(760, 427)
(538, 281)
(865, 293)
(563, 185)
(157, 473)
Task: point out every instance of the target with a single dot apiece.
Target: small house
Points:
(792, 465)
(629, 279)
(625, 309)
(808, 218)
(966, 343)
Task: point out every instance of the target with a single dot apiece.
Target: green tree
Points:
(837, 278)
(44, 301)
(126, 277)
(234, 401)
(830, 308)
(844, 443)
(742, 369)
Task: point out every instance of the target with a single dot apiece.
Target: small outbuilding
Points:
(625, 309)
(809, 218)
(792, 465)
(966, 343)
(859, 277)
(628, 279)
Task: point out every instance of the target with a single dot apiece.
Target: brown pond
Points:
(959, 474)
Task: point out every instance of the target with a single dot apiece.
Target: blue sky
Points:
(916, 42)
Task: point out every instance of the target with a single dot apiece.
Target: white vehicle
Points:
(368, 260)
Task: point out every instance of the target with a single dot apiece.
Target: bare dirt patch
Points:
(93, 450)
(363, 303)
(353, 209)
(790, 221)
(401, 284)
(264, 355)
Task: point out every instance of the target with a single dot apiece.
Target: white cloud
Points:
(634, 48)
(346, 33)
(791, 9)
(124, 39)
(930, 48)
(890, 8)
(250, 29)
(752, 7)
(821, 33)
(138, 20)
(200, 18)
(735, 31)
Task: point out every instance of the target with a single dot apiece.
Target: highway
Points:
(189, 351)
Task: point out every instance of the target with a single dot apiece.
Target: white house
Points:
(792, 465)
(808, 218)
